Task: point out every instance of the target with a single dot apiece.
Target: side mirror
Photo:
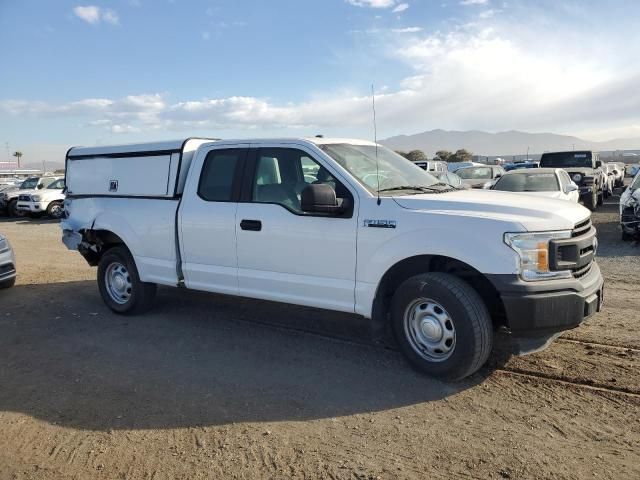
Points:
(598, 163)
(320, 198)
(571, 187)
(40, 187)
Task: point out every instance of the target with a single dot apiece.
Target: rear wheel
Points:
(120, 285)
(601, 197)
(441, 325)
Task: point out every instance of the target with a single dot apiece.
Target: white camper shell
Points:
(157, 170)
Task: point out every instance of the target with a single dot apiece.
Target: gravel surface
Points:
(208, 386)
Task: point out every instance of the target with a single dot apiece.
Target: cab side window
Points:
(218, 173)
(281, 174)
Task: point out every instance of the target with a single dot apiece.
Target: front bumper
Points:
(542, 309)
(7, 265)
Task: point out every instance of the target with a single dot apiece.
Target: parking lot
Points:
(206, 385)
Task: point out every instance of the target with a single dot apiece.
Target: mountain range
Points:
(512, 142)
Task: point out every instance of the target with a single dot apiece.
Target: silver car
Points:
(7, 264)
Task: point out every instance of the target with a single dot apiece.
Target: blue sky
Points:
(122, 71)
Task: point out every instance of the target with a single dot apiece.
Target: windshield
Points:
(566, 159)
(390, 172)
(528, 182)
(29, 184)
(475, 173)
(636, 183)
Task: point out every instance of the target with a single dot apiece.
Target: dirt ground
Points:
(207, 386)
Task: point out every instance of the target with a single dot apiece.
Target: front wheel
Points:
(120, 285)
(442, 326)
(55, 210)
(601, 198)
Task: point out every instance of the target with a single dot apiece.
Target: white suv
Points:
(47, 200)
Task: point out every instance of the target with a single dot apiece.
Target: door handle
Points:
(253, 225)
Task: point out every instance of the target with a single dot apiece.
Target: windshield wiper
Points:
(417, 188)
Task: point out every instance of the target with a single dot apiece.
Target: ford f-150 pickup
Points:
(338, 224)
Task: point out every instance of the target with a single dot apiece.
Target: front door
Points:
(285, 254)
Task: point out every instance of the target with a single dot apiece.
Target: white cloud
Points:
(372, 3)
(407, 30)
(488, 13)
(90, 14)
(94, 15)
(401, 7)
(474, 2)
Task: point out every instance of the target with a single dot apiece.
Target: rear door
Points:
(208, 219)
(285, 254)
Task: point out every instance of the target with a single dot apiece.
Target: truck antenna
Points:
(375, 138)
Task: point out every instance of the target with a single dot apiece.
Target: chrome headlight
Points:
(35, 198)
(576, 177)
(533, 250)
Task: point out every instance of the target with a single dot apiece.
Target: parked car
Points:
(445, 267)
(479, 177)
(541, 182)
(48, 200)
(633, 170)
(432, 165)
(630, 210)
(517, 165)
(451, 178)
(7, 264)
(609, 179)
(9, 199)
(585, 169)
(618, 173)
(454, 166)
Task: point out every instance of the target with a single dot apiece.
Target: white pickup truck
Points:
(338, 224)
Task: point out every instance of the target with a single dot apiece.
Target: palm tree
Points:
(18, 155)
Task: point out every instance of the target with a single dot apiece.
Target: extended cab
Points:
(585, 169)
(338, 224)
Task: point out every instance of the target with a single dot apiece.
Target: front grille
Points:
(581, 228)
(24, 198)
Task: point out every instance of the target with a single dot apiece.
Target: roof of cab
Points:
(178, 145)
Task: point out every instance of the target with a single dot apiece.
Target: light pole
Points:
(527, 153)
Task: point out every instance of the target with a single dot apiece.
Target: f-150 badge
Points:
(380, 223)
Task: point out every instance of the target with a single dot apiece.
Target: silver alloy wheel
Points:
(118, 283)
(429, 329)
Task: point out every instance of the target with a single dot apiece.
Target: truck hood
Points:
(534, 214)
(16, 193)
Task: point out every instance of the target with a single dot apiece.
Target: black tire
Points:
(591, 202)
(139, 296)
(12, 209)
(7, 283)
(55, 210)
(601, 198)
(626, 237)
(470, 319)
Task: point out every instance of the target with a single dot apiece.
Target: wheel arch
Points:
(415, 265)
